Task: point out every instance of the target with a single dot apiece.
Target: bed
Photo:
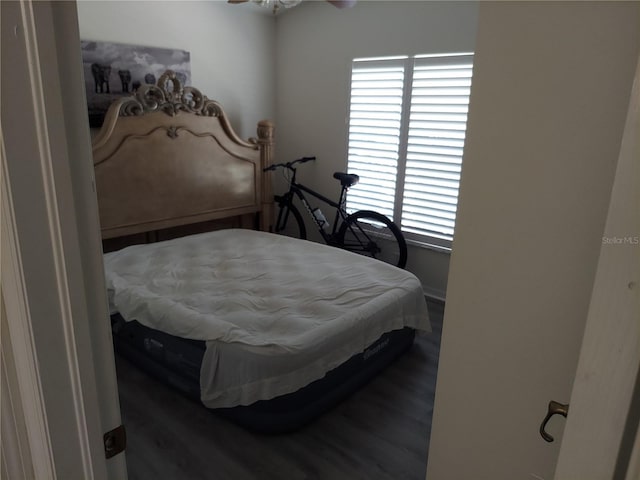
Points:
(267, 330)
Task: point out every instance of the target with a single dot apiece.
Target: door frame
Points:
(60, 375)
(26, 445)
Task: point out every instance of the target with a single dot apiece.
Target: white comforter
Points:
(309, 306)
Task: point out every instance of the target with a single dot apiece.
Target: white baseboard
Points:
(434, 294)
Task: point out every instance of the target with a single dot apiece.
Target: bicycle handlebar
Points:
(288, 165)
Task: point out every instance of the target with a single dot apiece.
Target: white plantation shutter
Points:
(406, 138)
(374, 133)
(437, 124)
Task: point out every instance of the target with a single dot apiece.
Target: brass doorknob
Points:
(554, 408)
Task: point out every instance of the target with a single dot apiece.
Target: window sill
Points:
(428, 246)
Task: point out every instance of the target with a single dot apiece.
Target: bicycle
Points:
(365, 232)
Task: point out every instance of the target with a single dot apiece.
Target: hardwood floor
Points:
(380, 432)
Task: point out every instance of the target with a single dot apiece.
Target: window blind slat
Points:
(416, 148)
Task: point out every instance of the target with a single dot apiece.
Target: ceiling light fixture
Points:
(275, 5)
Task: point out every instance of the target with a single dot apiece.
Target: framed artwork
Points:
(113, 70)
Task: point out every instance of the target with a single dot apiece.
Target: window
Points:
(407, 126)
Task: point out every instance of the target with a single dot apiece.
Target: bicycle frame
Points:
(299, 190)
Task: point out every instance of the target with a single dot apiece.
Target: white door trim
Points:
(55, 229)
(45, 141)
(18, 353)
(610, 355)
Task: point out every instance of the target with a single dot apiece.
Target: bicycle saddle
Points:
(346, 179)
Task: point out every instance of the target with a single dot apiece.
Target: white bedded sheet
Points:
(297, 309)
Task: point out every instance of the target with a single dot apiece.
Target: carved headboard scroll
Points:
(168, 156)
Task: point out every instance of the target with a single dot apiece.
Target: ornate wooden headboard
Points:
(168, 156)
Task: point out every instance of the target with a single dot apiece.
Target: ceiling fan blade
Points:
(342, 3)
(237, 1)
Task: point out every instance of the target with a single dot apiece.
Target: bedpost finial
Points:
(266, 130)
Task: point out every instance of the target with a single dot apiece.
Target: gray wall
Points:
(315, 46)
(232, 47)
(294, 67)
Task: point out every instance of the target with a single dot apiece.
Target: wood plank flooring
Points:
(380, 432)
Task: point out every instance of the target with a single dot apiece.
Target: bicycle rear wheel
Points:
(290, 222)
(374, 235)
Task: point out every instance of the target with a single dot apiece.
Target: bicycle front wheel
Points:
(374, 235)
(290, 222)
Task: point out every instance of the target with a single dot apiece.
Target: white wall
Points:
(548, 105)
(232, 47)
(316, 43)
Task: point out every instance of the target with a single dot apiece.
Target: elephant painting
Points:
(113, 70)
(101, 75)
(125, 79)
(150, 78)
